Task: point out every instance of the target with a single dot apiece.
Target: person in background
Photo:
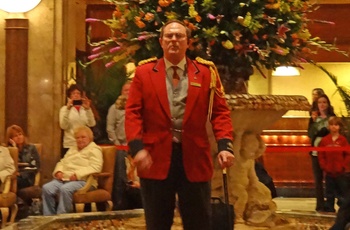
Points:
(7, 165)
(77, 112)
(170, 101)
(71, 173)
(335, 164)
(116, 117)
(317, 129)
(126, 191)
(316, 92)
(28, 156)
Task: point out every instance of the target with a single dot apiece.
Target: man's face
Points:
(82, 138)
(174, 41)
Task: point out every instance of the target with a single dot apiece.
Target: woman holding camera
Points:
(77, 112)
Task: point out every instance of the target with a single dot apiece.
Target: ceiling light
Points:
(285, 71)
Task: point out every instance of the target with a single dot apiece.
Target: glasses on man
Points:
(178, 36)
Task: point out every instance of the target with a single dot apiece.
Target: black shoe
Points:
(329, 209)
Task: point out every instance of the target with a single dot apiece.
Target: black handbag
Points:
(222, 212)
(222, 217)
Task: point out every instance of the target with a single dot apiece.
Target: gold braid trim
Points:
(214, 78)
(152, 59)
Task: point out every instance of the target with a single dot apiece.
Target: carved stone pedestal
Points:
(250, 115)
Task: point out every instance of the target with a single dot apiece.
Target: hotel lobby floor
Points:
(295, 207)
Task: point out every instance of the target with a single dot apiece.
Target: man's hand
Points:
(226, 159)
(59, 175)
(143, 160)
(73, 177)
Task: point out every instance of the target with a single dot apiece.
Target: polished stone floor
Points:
(294, 207)
(289, 208)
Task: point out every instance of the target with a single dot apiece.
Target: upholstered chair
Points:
(103, 194)
(8, 195)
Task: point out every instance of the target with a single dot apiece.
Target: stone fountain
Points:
(250, 115)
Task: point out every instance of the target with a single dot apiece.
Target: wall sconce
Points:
(286, 71)
(16, 61)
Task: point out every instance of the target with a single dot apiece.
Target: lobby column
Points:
(16, 73)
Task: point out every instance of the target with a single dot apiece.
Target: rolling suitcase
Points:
(222, 212)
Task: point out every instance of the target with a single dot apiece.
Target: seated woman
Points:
(28, 157)
(7, 166)
(71, 173)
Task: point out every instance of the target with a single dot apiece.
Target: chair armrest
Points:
(89, 181)
(6, 186)
(87, 186)
(37, 179)
(102, 174)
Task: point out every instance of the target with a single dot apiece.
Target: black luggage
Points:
(222, 212)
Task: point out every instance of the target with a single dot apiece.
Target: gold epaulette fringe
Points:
(152, 59)
(213, 85)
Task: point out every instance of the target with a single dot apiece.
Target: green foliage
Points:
(237, 34)
(102, 86)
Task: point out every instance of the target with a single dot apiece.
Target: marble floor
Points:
(294, 207)
(296, 204)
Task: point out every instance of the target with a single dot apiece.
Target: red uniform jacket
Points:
(334, 163)
(148, 120)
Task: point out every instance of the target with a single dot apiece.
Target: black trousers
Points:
(159, 198)
(318, 178)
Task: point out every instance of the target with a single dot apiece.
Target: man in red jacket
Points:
(170, 101)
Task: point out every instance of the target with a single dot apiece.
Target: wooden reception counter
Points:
(291, 170)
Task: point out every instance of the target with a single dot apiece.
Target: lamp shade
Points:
(286, 71)
(18, 6)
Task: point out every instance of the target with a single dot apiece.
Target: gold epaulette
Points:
(152, 59)
(215, 83)
(204, 62)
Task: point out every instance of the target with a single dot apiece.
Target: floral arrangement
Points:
(239, 35)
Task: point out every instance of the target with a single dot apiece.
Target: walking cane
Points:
(229, 216)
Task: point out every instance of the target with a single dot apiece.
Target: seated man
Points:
(71, 172)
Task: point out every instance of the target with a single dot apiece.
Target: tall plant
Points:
(238, 35)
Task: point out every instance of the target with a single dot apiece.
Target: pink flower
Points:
(110, 64)
(115, 49)
(93, 56)
(211, 17)
(96, 49)
(92, 20)
(142, 37)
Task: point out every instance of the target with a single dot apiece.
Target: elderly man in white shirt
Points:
(71, 172)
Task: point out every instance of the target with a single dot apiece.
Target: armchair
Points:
(8, 196)
(32, 192)
(105, 184)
